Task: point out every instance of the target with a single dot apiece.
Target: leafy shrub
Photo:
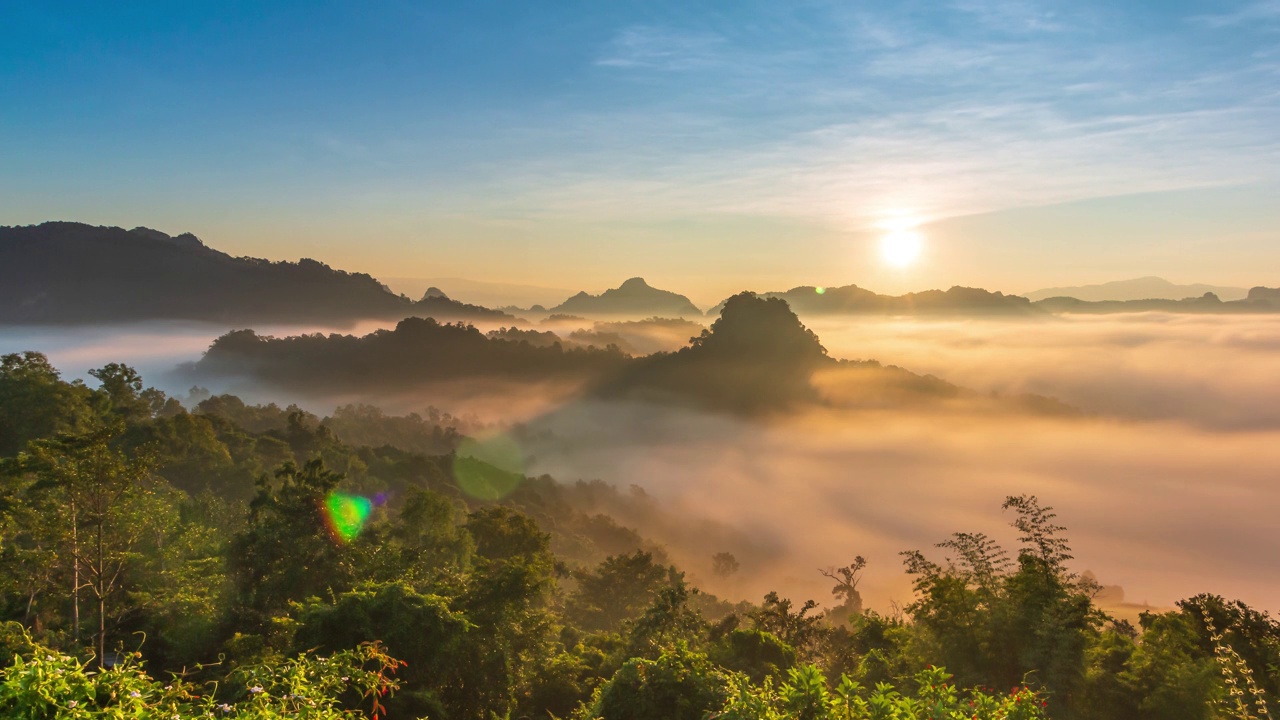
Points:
(43, 684)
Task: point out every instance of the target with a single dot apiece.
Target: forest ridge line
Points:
(74, 273)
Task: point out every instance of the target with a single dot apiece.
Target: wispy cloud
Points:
(659, 48)
(908, 117)
(1012, 15)
(1252, 12)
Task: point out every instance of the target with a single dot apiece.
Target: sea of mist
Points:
(1167, 481)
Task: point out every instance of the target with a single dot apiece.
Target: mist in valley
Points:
(1165, 478)
(1160, 457)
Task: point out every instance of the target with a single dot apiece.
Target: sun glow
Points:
(901, 248)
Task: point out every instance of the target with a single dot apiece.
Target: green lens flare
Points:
(346, 514)
(488, 468)
(820, 290)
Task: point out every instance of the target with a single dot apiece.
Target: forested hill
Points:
(854, 300)
(417, 352)
(757, 356)
(69, 273)
(756, 359)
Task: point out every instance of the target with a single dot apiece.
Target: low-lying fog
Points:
(1168, 489)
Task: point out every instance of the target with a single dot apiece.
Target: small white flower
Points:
(135, 694)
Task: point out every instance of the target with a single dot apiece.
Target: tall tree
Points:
(112, 513)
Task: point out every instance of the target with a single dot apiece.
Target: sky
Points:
(709, 147)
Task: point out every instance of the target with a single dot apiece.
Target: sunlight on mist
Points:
(1166, 483)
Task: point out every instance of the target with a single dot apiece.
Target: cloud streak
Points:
(644, 47)
(900, 116)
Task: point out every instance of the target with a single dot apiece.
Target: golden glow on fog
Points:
(901, 248)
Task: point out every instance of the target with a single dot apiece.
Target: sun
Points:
(901, 248)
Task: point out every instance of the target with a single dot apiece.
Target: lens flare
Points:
(346, 515)
(820, 290)
(488, 468)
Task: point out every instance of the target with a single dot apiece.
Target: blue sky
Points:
(707, 146)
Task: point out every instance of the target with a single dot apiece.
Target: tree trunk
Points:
(102, 632)
(75, 574)
(101, 591)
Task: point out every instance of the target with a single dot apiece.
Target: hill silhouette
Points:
(1144, 288)
(479, 292)
(1264, 295)
(756, 357)
(417, 352)
(634, 297)
(853, 300)
(71, 273)
(1259, 300)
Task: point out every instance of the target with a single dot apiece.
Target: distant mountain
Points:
(853, 300)
(633, 297)
(1144, 288)
(69, 273)
(1264, 295)
(488, 294)
(1259, 300)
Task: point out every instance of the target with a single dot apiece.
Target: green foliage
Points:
(806, 695)
(215, 543)
(1168, 674)
(619, 589)
(754, 653)
(429, 538)
(44, 684)
(122, 395)
(1246, 645)
(419, 629)
(36, 403)
(669, 621)
(286, 552)
(800, 629)
(677, 685)
(108, 520)
(364, 425)
(996, 626)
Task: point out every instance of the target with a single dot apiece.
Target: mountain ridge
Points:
(633, 297)
(75, 273)
(1149, 287)
(851, 299)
